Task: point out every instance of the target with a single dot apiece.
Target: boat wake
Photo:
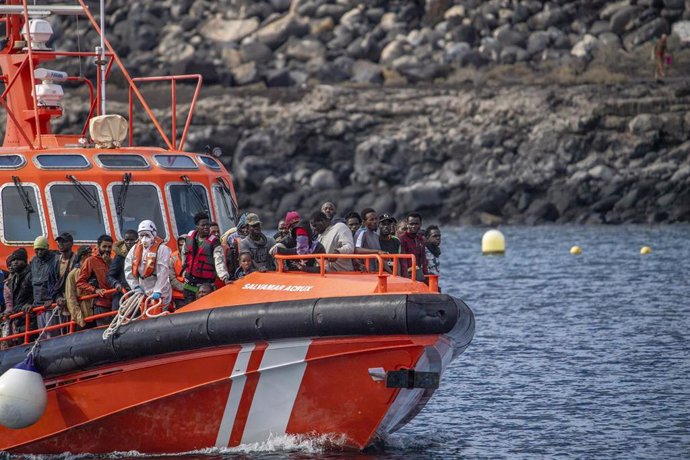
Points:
(286, 444)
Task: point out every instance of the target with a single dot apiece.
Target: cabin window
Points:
(122, 161)
(186, 201)
(61, 162)
(77, 209)
(175, 162)
(11, 161)
(210, 163)
(141, 202)
(19, 225)
(225, 209)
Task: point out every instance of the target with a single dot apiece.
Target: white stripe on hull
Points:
(281, 372)
(238, 378)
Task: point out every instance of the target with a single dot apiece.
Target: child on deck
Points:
(246, 265)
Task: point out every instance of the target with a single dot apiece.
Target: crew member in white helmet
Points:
(147, 265)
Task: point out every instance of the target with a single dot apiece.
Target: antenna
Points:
(101, 61)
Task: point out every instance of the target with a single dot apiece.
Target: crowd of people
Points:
(91, 281)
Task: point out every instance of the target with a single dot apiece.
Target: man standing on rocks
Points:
(660, 55)
(412, 242)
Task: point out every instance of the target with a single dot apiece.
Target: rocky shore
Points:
(471, 112)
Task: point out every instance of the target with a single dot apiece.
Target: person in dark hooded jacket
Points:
(44, 281)
(21, 288)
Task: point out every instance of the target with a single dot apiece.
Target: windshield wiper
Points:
(226, 190)
(90, 198)
(122, 197)
(24, 196)
(200, 201)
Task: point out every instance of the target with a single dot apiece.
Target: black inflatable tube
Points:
(325, 317)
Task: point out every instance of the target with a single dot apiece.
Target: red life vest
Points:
(150, 258)
(198, 263)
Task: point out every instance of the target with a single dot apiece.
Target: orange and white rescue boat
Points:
(348, 355)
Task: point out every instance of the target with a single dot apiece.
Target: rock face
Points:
(467, 154)
(394, 41)
(469, 112)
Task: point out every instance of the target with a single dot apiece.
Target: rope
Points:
(38, 339)
(130, 310)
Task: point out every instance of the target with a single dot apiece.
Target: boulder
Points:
(228, 30)
(277, 32)
(245, 74)
(324, 179)
(645, 33)
(623, 17)
(255, 52)
(538, 42)
(551, 17)
(541, 210)
(585, 47)
(366, 72)
(304, 49)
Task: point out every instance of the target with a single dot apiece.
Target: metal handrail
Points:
(40, 309)
(380, 258)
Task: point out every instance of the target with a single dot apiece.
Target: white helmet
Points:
(147, 226)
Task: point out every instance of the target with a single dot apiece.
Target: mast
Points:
(101, 60)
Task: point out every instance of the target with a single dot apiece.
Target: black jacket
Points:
(22, 289)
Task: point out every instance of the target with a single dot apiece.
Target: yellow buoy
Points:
(646, 250)
(576, 250)
(493, 242)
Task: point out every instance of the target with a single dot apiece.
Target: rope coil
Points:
(134, 305)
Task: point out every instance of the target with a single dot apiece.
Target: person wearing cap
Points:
(147, 265)
(79, 310)
(258, 244)
(199, 265)
(21, 288)
(387, 240)
(64, 262)
(44, 280)
(93, 278)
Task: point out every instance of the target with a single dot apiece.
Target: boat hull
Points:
(234, 394)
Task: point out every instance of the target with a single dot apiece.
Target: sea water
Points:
(574, 356)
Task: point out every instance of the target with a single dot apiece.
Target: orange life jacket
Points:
(177, 266)
(150, 258)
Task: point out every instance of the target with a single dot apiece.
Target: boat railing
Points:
(69, 325)
(173, 105)
(380, 270)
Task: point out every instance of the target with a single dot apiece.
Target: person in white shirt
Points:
(336, 238)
